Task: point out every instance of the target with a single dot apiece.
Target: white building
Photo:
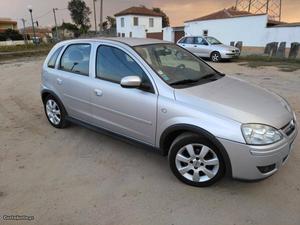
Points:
(138, 22)
(255, 30)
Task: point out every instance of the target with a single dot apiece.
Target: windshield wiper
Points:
(211, 75)
(190, 81)
(186, 81)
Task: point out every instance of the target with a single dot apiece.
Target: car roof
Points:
(128, 41)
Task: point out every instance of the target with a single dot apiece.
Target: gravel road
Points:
(76, 176)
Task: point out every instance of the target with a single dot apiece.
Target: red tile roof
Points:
(224, 14)
(8, 22)
(143, 11)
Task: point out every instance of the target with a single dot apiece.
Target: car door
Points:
(188, 44)
(202, 47)
(129, 112)
(74, 80)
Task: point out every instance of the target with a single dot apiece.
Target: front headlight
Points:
(258, 134)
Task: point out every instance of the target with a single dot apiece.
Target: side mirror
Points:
(131, 82)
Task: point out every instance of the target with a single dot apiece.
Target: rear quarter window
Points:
(53, 58)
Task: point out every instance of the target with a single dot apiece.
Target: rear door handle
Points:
(98, 92)
(59, 81)
(195, 46)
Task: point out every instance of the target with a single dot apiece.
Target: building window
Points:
(205, 32)
(135, 21)
(151, 22)
(122, 22)
(130, 34)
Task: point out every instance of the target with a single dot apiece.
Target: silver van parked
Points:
(159, 94)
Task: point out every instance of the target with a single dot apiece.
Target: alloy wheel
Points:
(197, 162)
(53, 112)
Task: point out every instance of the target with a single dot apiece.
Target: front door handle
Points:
(59, 81)
(98, 92)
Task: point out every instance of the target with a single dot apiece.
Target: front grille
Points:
(289, 128)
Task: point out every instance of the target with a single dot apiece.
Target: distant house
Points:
(255, 30)
(44, 33)
(7, 23)
(138, 22)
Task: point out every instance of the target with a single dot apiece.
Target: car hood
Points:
(237, 100)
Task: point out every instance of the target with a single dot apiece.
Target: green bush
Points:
(10, 34)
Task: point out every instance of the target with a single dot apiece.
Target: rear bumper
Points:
(258, 162)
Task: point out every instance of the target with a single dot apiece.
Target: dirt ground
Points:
(76, 176)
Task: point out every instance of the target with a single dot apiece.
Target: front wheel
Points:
(215, 57)
(196, 161)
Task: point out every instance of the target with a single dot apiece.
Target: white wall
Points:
(168, 34)
(252, 30)
(279, 34)
(8, 43)
(249, 29)
(140, 30)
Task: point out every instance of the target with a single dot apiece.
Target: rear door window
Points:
(76, 59)
(189, 40)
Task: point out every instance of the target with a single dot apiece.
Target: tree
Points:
(111, 21)
(105, 25)
(70, 27)
(165, 18)
(80, 14)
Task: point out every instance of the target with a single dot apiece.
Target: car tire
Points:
(55, 112)
(196, 161)
(215, 57)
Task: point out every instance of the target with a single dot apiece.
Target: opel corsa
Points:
(159, 94)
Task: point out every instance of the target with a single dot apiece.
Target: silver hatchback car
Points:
(159, 94)
(209, 47)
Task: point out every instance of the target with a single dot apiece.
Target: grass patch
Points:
(23, 51)
(255, 61)
(21, 48)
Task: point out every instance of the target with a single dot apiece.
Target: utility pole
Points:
(24, 31)
(95, 16)
(280, 5)
(101, 14)
(34, 37)
(55, 21)
(267, 7)
(249, 7)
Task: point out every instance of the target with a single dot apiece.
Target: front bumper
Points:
(232, 55)
(258, 162)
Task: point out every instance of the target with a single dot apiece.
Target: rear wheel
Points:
(215, 57)
(55, 112)
(196, 161)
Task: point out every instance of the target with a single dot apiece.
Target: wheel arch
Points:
(45, 93)
(169, 135)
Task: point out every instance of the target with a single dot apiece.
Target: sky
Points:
(177, 10)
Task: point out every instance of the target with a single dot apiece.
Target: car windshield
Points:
(176, 66)
(213, 41)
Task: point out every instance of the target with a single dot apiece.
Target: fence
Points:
(9, 43)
